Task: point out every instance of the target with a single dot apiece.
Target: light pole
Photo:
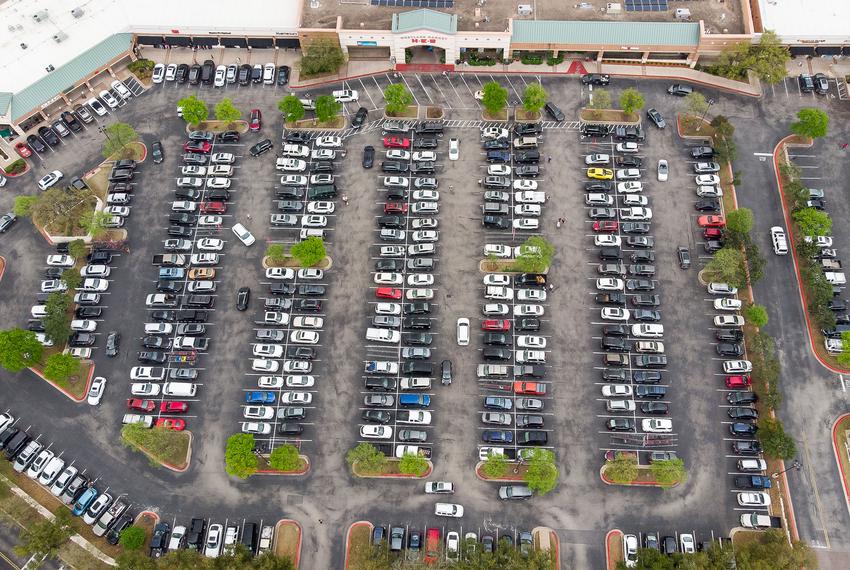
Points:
(794, 465)
(701, 119)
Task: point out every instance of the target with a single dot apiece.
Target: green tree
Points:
(775, 442)
(19, 349)
(495, 98)
(226, 111)
(535, 255)
(24, 205)
(631, 100)
(542, 474)
(276, 253)
(813, 222)
(77, 249)
(136, 560)
(118, 136)
(309, 252)
(413, 464)
(95, 222)
(844, 356)
(725, 149)
(57, 321)
(601, 99)
(183, 559)
(59, 205)
(534, 98)
(623, 469)
(397, 98)
(321, 56)
(668, 472)
(59, 367)
(811, 122)
(44, 538)
(696, 106)
(367, 457)
(285, 458)
(495, 465)
(268, 561)
(755, 262)
(727, 266)
(292, 108)
(739, 221)
(72, 278)
(767, 60)
(132, 538)
(194, 110)
(756, 315)
(239, 458)
(327, 108)
(774, 552)
(650, 559)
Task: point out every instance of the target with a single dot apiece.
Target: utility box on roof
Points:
(524, 10)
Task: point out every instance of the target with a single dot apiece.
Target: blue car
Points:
(259, 398)
(497, 436)
(84, 501)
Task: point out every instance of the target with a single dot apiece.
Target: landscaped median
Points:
(287, 541)
(614, 553)
(367, 462)
(358, 543)
(841, 447)
(166, 447)
(625, 470)
(242, 458)
(307, 253)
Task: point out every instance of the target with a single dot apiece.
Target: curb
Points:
(19, 174)
(168, 465)
(486, 479)
(348, 537)
(283, 522)
(608, 536)
(287, 473)
(633, 483)
(2, 266)
(835, 448)
(553, 537)
(63, 390)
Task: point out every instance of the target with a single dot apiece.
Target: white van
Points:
(181, 389)
(751, 465)
(147, 373)
(835, 278)
(312, 232)
(531, 356)
(648, 331)
(383, 335)
(448, 510)
(780, 242)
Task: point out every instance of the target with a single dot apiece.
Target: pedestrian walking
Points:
(844, 146)
(549, 158)
(248, 216)
(551, 286)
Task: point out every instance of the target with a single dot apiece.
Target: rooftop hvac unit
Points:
(524, 10)
(59, 37)
(683, 14)
(614, 8)
(77, 12)
(40, 16)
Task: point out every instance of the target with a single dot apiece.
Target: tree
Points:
(24, 205)
(59, 367)
(132, 538)
(19, 349)
(58, 205)
(326, 108)
(775, 442)
(57, 322)
(194, 110)
(601, 99)
(668, 472)
(309, 252)
(727, 266)
(118, 136)
(535, 255)
(739, 221)
(77, 249)
(495, 465)
(413, 464)
(773, 551)
(268, 561)
(542, 473)
(135, 560)
(631, 100)
(696, 104)
(95, 222)
(844, 356)
(756, 315)
(495, 98)
(724, 143)
(276, 253)
(285, 458)
(813, 222)
(811, 122)
(72, 278)
(43, 539)
(534, 98)
(321, 56)
(397, 98)
(291, 107)
(623, 469)
(367, 457)
(225, 111)
(182, 559)
(239, 458)
(767, 60)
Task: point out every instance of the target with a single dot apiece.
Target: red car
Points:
(213, 207)
(387, 293)
(395, 208)
(502, 325)
(256, 119)
(23, 150)
(171, 423)
(396, 142)
(140, 405)
(711, 221)
(737, 382)
(174, 407)
(203, 147)
(531, 388)
(605, 226)
(712, 233)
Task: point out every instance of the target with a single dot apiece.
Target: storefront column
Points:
(692, 59)
(17, 128)
(599, 55)
(644, 57)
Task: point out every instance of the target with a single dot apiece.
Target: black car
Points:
(242, 298)
(48, 135)
(729, 335)
(113, 341)
(195, 74)
(182, 73)
(69, 119)
(308, 305)
(646, 300)
(423, 167)
(498, 222)
(837, 305)
(738, 398)
(494, 353)
(646, 315)
(635, 227)
(208, 72)
(746, 447)
(261, 147)
(614, 343)
(702, 152)
(424, 142)
(228, 136)
(81, 339)
(421, 323)
(655, 408)
(301, 352)
(643, 256)
(322, 166)
(417, 308)
(807, 84)
(620, 424)
(742, 413)
(680, 90)
(629, 161)
(742, 429)
(527, 157)
(496, 144)
(528, 129)
(283, 74)
(527, 324)
(282, 289)
(376, 416)
(88, 312)
(182, 219)
(599, 186)
(527, 171)
(166, 286)
(595, 79)
(179, 231)
(650, 392)
(498, 156)
(311, 290)
(121, 174)
(446, 372)
(555, 112)
(712, 246)
(36, 144)
(821, 84)
(418, 339)
(394, 166)
(151, 356)
(289, 206)
(164, 316)
(646, 377)
(388, 265)
(156, 152)
(155, 341)
(159, 540)
(707, 205)
(359, 117)
(35, 325)
(654, 116)
(729, 349)
(668, 545)
(118, 527)
(289, 428)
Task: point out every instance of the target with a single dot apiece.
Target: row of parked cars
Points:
(402, 367)
(210, 538)
(107, 513)
(208, 73)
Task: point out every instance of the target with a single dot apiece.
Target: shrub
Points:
(495, 465)
(285, 458)
(756, 315)
(531, 59)
(775, 442)
(132, 537)
(412, 464)
(239, 458)
(367, 457)
(309, 252)
(16, 167)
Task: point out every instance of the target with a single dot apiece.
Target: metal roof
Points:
(5, 101)
(428, 19)
(67, 75)
(608, 33)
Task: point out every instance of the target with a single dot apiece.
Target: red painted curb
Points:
(282, 522)
(485, 478)
(398, 475)
(63, 390)
(348, 537)
(287, 473)
(835, 448)
(19, 174)
(633, 483)
(2, 266)
(608, 536)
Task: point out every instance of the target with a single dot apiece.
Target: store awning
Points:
(178, 41)
(828, 50)
(802, 50)
(261, 42)
(232, 42)
(204, 41)
(150, 40)
(291, 43)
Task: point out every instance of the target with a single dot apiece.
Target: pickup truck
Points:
(530, 280)
(413, 417)
(752, 482)
(830, 264)
(169, 259)
(755, 520)
(171, 273)
(530, 197)
(401, 450)
(266, 536)
(380, 367)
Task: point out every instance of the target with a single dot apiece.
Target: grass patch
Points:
(434, 112)
(146, 521)
(500, 266)
(159, 444)
(71, 225)
(503, 116)
(337, 122)
(615, 549)
(645, 476)
(514, 472)
(221, 126)
(743, 537)
(287, 536)
(410, 112)
(521, 114)
(841, 429)
(391, 467)
(359, 540)
(134, 150)
(607, 116)
(99, 182)
(292, 262)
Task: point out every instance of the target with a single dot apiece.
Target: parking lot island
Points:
(168, 448)
(302, 469)
(614, 548)
(356, 541)
(287, 541)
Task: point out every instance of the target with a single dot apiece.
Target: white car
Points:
(497, 250)
(121, 89)
(499, 293)
(218, 183)
(628, 174)
(452, 546)
(389, 278)
(280, 273)
(635, 200)
(597, 159)
(533, 210)
(454, 149)
(387, 309)
(525, 184)
(728, 321)
(687, 544)
(158, 73)
(210, 244)
(615, 314)
(628, 147)
(210, 221)
(439, 487)
(268, 350)
(820, 241)
(463, 331)
(530, 341)
(220, 170)
(293, 180)
(204, 259)
(242, 233)
(314, 221)
(493, 133)
(96, 106)
(376, 432)
(345, 95)
(609, 284)
(256, 428)
(427, 236)
(98, 285)
(419, 294)
(120, 211)
(607, 240)
(420, 280)
(663, 170)
(300, 381)
(479, 95)
(630, 549)
(528, 310)
(304, 337)
(398, 154)
(98, 385)
(757, 499)
(296, 398)
(83, 325)
(329, 141)
(429, 195)
(310, 273)
(722, 289)
(264, 365)
(707, 180)
(258, 412)
(496, 309)
(222, 158)
(321, 207)
(171, 72)
(59, 260)
(635, 214)
(144, 389)
(53, 286)
(629, 187)
(538, 295)
(617, 391)
(220, 76)
(737, 366)
(63, 480)
(49, 179)
(499, 279)
(395, 182)
(308, 322)
(109, 99)
(656, 425)
(526, 224)
(727, 304)
(499, 170)
(424, 223)
(183, 206)
(709, 191)
(272, 382)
